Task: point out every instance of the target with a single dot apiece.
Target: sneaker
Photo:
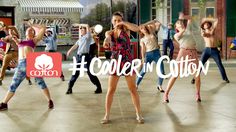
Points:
(3, 107)
(227, 80)
(50, 104)
(29, 82)
(98, 90)
(69, 91)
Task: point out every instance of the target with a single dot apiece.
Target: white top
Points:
(84, 43)
(187, 41)
(150, 42)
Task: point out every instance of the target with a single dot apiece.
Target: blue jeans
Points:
(20, 75)
(149, 57)
(214, 53)
(166, 44)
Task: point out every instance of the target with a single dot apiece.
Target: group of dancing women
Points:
(118, 40)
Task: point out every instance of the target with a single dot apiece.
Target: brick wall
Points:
(221, 30)
(220, 11)
(186, 7)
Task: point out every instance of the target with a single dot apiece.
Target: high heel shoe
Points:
(193, 81)
(159, 88)
(166, 100)
(198, 98)
(105, 121)
(140, 120)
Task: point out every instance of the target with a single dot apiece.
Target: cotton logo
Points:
(43, 64)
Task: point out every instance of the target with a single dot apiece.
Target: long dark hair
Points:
(118, 13)
(208, 22)
(146, 28)
(184, 22)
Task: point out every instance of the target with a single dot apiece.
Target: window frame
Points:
(195, 8)
(212, 8)
(166, 7)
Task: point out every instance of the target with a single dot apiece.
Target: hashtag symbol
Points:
(81, 68)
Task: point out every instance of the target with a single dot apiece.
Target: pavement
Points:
(82, 111)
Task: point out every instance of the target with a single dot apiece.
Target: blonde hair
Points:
(27, 30)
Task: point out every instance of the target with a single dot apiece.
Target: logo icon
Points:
(43, 64)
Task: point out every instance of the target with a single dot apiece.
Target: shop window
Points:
(194, 0)
(195, 12)
(153, 14)
(5, 13)
(153, 3)
(210, 12)
(162, 11)
(153, 9)
(2, 13)
(231, 18)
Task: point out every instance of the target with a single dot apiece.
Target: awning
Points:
(50, 6)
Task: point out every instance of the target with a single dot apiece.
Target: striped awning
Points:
(50, 6)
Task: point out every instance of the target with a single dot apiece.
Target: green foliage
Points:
(119, 6)
(219, 43)
(202, 3)
(101, 14)
(158, 3)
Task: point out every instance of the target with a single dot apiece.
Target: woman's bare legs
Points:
(112, 83)
(29, 81)
(135, 97)
(47, 94)
(171, 83)
(198, 85)
(169, 86)
(8, 97)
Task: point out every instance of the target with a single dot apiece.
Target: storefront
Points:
(55, 14)
(7, 15)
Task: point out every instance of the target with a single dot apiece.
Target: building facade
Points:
(52, 13)
(167, 11)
